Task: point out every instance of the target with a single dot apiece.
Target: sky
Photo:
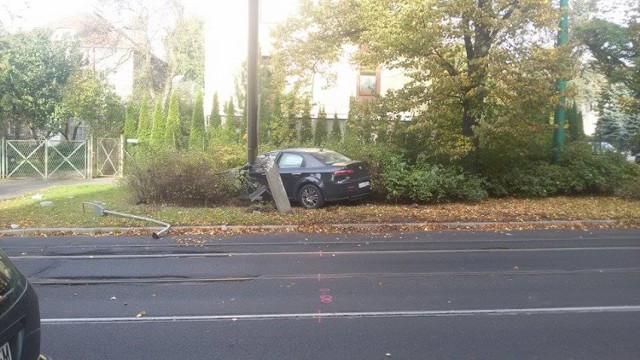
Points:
(26, 14)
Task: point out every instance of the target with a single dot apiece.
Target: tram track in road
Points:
(45, 281)
(306, 286)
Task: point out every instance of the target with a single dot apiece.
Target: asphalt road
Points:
(427, 295)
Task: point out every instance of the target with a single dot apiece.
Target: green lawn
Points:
(67, 211)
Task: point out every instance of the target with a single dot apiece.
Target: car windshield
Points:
(330, 157)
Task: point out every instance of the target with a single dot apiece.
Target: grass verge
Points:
(67, 211)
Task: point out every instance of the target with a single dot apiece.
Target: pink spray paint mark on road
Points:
(326, 299)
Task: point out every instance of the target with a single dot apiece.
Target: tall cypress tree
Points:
(173, 131)
(321, 135)
(215, 120)
(336, 133)
(306, 133)
(144, 122)
(276, 125)
(230, 121)
(576, 123)
(159, 125)
(197, 134)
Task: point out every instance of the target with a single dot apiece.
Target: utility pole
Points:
(252, 83)
(561, 85)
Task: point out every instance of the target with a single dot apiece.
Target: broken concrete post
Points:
(276, 187)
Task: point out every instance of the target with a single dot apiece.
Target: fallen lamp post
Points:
(101, 211)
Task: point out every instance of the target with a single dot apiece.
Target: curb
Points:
(302, 228)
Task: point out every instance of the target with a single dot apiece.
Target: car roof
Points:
(306, 150)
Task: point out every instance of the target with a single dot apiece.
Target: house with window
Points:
(226, 37)
(106, 49)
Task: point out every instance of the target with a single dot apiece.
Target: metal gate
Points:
(46, 159)
(109, 157)
(54, 159)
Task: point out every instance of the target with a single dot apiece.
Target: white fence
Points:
(49, 159)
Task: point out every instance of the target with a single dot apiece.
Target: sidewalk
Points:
(11, 188)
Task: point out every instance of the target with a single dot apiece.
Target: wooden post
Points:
(277, 189)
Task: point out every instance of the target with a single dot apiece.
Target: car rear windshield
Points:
(330, 157)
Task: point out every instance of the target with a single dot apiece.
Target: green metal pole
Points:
(561, 86)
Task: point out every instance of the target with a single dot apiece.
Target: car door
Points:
(291, 167)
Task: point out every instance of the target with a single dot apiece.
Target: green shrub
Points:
(179, 178)
(581, 171)
(630, 191)
(376, 156)
(425, 183)
(596, 173)
(535, 180)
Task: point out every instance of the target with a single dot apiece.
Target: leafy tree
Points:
(197, 139)
(144, 121)
(88, 98)
(173, 130)
(465, 59)
(159, 127)
(612, 45)
(181, 36)
(130, 124)
(321, 133)
(33, 73)
(186, 46)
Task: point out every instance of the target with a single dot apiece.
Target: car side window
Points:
(290, 161)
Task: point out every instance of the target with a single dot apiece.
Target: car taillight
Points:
(343, 172)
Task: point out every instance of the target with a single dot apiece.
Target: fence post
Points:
(3, 157)
(46, 159)
(90, 157)
(121, 159)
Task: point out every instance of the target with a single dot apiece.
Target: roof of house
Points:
(92, 30)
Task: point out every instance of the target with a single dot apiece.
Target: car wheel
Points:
(310, 197)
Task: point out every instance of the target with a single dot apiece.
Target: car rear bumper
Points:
(348, 191)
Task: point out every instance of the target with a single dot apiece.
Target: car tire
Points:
(310, 197)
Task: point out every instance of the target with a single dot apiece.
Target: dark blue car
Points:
(315, 176)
